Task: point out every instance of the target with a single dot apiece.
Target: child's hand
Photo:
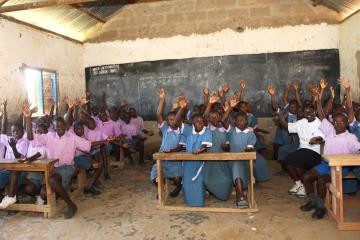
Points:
(225, 87)
(26, 108)
(206, 90)
(70, 103)
(316, 140)
(224, 145)
(332, 92)
(344, 82)
(34, 110)
(226, 106)
(12, 142)
(296, 86)
(314, 89)
(288, 85)
(162, 93)
(249, 148)
(111, 138)
(234, 101)
(323, 84)
(182, 102)
(242, 84)
(213, 97)
(123, 102)
(271, 90)
(199, 151)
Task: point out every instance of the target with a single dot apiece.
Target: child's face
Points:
(309, 114)
(214, 118)
(198, 123)
(43, 120)
(171, 120)
(127, 118)
(293, 108)
(16, 132)
(114, 116)
(241, 122)
(102, 116)
(248, 108)
(340, 123)
(243, 107)
(60, 127)
(91, 124)
(132, 112)
(338, 110)
(196, 110)
(79, 130)
(41, 129)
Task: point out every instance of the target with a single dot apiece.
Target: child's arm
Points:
(30, 159)
(160, 109)
(328, 105)
(212, 100)
(233, 102)
(201, 149)
(242, 88)
(225, 147)
(206, 95)
(12, 144)
(321, 114)
(286, 94)
(271, 90)
(180, 114)
(177, 149)
(4, 123)
(279, 121)
(259, 130)
(345, 83)
(69, 114)
(323, 85)
(52, 109)
(223, 91)
(297, 94)
(88, 105)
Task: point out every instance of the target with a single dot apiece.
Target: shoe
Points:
(6, 201)
(308, 206)
(293, 190)
(91, 191)
(175, 192)
(301, 193)
(39, 200)
(319, 213)
(70, 212)
(242, 203)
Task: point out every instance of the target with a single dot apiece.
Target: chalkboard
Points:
(140, 82)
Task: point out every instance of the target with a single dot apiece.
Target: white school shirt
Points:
(307, 130)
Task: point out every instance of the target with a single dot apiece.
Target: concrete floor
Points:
(126, 210)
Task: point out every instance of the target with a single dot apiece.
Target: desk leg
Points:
(339, 201)
(160, 182)
(251, 197)
(50, 195)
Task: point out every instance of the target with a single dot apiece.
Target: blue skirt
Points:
(193, 184)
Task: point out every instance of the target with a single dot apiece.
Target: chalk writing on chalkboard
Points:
(105, 70)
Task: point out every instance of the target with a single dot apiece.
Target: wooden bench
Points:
(46, 166)
(334, 197)
(159, 157)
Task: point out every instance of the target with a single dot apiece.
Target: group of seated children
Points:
(83, 138)
(229, 126)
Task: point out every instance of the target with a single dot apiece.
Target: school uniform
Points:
(36, 178)
(139, 124)
(130, 132)
(355, 128)
(193, 176)
(307, 156)
(239, 140)
(252, 125)
(170, 139)
(22, 145)
(62, 148)
(217, 174)
(290, 141)
(2, 150)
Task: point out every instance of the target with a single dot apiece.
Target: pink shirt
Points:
(62, 148)
(344, 143)
(2, 150)
(129, 130)
(94, 135)
(107, 128)
(118, 125)
(33, 150)
(139, 124)
(21, 145)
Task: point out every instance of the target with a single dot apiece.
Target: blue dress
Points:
(252, 123)
(291, 141)
(238, 142)
(217, 174)
(170, 140)
(193, 176)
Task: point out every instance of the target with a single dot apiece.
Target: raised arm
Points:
(222, 93)
(297, 94)
(346, 85)
(206, 94)
(328, 105)
(4, 122)
(52, 110)
(160, 109)
(180, 114)
(319, 109)
(242, 90)
(27, 115)
(233, 102)
(69, 119)
(271, 90)
(212, 100)
(323, 85)
(286, 93)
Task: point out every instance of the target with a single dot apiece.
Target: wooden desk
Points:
(46, 166)
(334, 197)
(250, 156)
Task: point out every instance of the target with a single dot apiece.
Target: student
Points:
(198, 139)
(139, 123)
(308, 154)
(217, 174)
(60, 145)
(240, 139)
(337, 141)
(171, 137)
(16, 147)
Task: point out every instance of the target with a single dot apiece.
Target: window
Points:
(41, 89)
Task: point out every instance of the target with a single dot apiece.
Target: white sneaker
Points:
(301, 193)
(39, 200)
(6, 201)
(294, 189)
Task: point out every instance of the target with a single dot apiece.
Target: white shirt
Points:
(307, 130)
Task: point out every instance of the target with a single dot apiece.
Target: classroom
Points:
(180, 119)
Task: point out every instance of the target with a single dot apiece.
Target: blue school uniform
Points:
(351, 185)
(355, 129)
(238, 142)
(170, 140)
(252, 123)
(217, 174)
(291, 141)
(193, 176)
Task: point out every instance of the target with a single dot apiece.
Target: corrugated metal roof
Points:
(66, 20)
(345, 7)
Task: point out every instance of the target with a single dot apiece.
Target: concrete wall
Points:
(22, 45)
(349, 38)
(185, 17)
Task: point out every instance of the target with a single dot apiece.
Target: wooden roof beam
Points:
(88, 12)
(43, 4)
(2, 2)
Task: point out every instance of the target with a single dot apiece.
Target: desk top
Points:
(206, 156)
(38, 165)
(342, 159)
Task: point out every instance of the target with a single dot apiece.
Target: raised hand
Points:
(296, 86)
(271, 90)
(242, 84)
(288, 85)
(123, 102)
(225, 87)
(162, 93)
(182, 102)
(344, 82)
(314, 89)
(82, 101)
(234, 101)
(34, 110)
(323, 84)
(206, 90)
(26, 108)
(332, 92)
(70, 102)
(88, 94)
(12, 143)
(213, 97)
